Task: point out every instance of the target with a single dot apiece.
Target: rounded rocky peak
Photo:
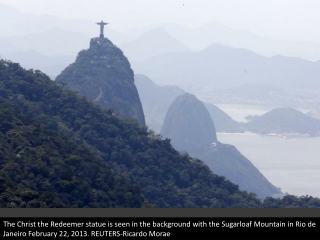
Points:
(285, 110)
(188, 122)
(285, 113)
(190, 102)
(187, 97)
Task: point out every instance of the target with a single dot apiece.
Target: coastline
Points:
(281, 135)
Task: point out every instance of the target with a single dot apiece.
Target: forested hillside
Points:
(59, 149)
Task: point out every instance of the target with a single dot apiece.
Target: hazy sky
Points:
(280, 19)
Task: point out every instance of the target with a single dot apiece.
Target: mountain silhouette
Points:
(103, 74)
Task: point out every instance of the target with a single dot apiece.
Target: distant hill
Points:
(37, 59)
(201, 37)
(284, 121)
(51, 65)
(7, 48)
(189, 126)
(14, 23)
(155, 100)
(222, 121)
(53, 41)
(55, 37)
(152, 43)
(221, 67)
(103, 74)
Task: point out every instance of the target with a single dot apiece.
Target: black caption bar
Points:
(167, 228)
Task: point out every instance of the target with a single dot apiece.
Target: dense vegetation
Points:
(58, 149)
(290, 201)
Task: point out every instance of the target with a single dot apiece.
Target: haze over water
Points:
(289, 163)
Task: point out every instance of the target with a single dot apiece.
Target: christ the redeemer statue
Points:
(101, 27)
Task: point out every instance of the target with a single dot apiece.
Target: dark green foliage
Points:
(58, 149)
(39, 167)
(290, 201)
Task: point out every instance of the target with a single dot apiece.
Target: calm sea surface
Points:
(293, 164)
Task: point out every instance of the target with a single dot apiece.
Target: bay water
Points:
(292, 164)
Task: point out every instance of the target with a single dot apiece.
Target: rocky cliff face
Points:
(189, 126)
(103, 74)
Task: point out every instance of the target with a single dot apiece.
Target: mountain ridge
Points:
(220, 68)
(284, 121)
(103, 70)
(152, 43)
